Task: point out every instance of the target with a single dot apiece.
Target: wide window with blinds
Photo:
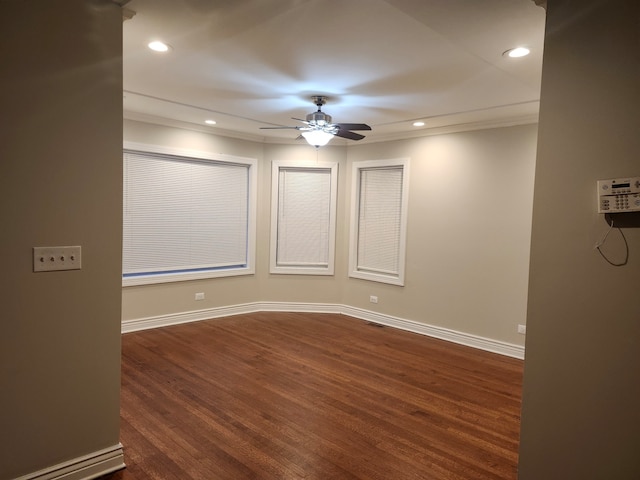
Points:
(186, 216)
(378, 220)
(303, 213)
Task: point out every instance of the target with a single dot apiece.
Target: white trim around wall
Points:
(482, 343)
(87, 467)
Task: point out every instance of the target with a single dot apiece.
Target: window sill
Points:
(183, 277)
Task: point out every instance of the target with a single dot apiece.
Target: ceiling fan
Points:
(319, 129)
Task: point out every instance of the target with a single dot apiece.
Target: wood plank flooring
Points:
(317, 397)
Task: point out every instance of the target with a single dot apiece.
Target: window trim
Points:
(249, 267)
(354, 271)
(276, 166)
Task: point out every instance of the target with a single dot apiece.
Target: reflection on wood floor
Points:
(314, 396)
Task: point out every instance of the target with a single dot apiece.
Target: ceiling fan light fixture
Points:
(319, 130)
(317, 138)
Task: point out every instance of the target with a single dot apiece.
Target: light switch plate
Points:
(50, 259)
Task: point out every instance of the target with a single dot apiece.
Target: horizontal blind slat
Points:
(379, 219)
(304, 204)
(183, 214)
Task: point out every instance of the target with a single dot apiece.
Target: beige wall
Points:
(171, 298)
(300, 288)
(468, 233)
(581, 415)
(470, 198)
(60, 148)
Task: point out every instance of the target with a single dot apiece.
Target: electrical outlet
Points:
(200, 296)
(522, 329)
(50, 259)
(373, 299)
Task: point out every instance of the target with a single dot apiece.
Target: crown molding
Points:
(453, 128)
(169, 122)
(337, 142)
(127, 13)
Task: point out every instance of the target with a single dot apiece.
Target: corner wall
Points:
(468, 235)
(60, 182)
(152, 301)
(580, 415)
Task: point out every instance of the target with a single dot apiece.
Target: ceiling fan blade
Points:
(300, 120)
(352, 126)
(349, 135)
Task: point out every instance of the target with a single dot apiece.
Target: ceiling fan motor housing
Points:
(318, 118)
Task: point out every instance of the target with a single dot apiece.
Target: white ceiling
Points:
(255, 63)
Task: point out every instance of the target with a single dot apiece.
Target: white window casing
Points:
(379, 203)
(303, 217)
(186, 215)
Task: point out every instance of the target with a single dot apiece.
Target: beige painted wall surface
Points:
(60, 142)
(301, 288)
(580, 417)
(469, 229)
(470, 200)
(171, 298)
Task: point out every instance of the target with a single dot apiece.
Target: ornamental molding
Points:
(127, 13)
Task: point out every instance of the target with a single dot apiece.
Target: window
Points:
(186, 215)
(303, 212)
(378, 220)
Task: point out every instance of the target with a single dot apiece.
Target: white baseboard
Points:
(467, 339)
(482, 343)
(86, 467)
(186, 317)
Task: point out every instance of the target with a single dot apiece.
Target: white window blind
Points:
(183, 215)
(303, 219)
(379, 221)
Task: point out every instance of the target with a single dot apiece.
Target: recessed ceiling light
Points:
(210, 122)
(158, 46)
(418, 124)
(517, 52)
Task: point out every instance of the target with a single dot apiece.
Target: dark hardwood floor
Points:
(314, 396)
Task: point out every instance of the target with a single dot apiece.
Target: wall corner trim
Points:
(482, 343)
(86, 467)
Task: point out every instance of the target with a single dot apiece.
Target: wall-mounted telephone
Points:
(619, 195)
